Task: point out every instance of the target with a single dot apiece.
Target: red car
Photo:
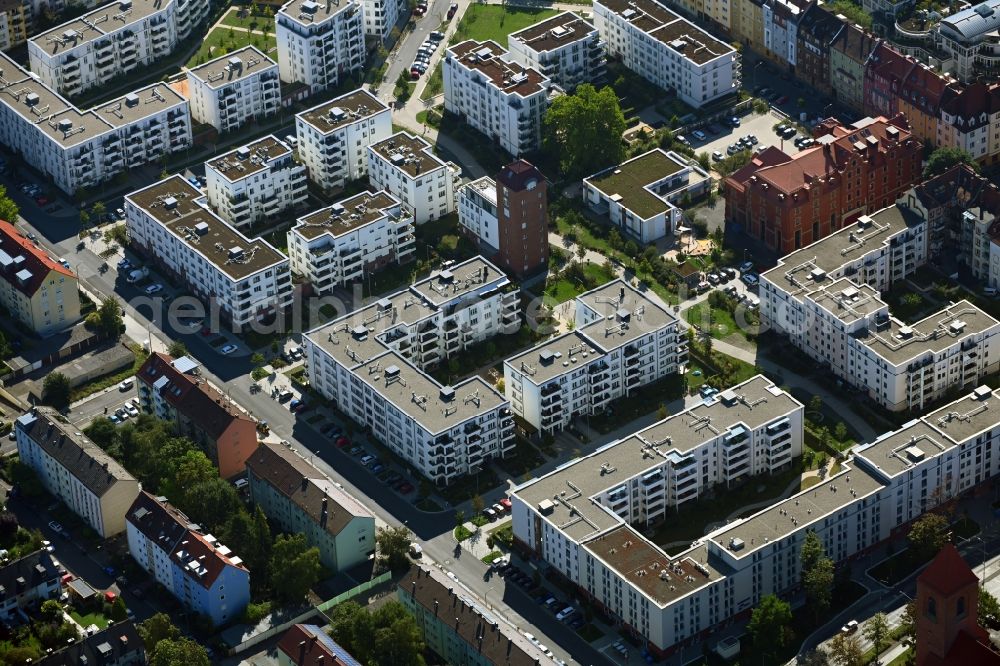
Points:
(505, 503)
(342, 442)
(41, 201)
(414, 74)
(406, 488)
(205, 331)
(782, 100)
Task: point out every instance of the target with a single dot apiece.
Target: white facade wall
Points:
(568, 63)
(250, 97)
(319, 43)
(430, 194)
(477, 210)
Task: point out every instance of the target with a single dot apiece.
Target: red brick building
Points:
(789, 202)
(522, 219)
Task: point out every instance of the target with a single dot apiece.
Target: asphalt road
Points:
(402, 56)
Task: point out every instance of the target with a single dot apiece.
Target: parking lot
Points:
(758, 125)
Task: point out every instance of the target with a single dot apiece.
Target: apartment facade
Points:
(320, 43)
(300, 499)
(406, 167)
(256, 182)
(342, 243)
(14, 23)
(370, 364)
(119, 644)
(234, 89)
(28, 581)
(968, 39)
(35, 289)
(789, 202)
(970, 121)
(642, 196)
(622, 341)
(82, 148)
(334, 137)
(565, 48)
(667, 600)
(825, 298)
(850, 51)
(201, 573)
(115, 39)
(667, 50)
(72, 468)
(813, 36)
(172, 390)
(499, 97)
(246, 279)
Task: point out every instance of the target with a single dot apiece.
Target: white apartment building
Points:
(320, 42)
(621, 342)
(381, 17)
(579, 520)
(354, 237)
(642, 196)
(825, 298)
(110, 41)
(969, 41)
(981, 252)
(477, 210)
(667, 50)
(77, 148)
(503, 99)
(75, 470)
(255, 182)
(333, 138)
(370, 365)
(246, 279)
(406, 167)
(565, 48)
(234, 89)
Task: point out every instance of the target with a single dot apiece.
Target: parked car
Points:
(734, 121)
(490, 513)
(228, 349)
(367, 459)
(498, 509)
(356, 451)
(850, 627)
(126, 384)
(506, 504)
(377, 468)
(437, 36)
(745, 267)
(750, 279)
(154, 289)
(343, 442)
(564, 613)
(452, 10)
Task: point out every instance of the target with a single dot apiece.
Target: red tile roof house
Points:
(170, 389)
(309, 645)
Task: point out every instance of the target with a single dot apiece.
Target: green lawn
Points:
(252, 22)
(640, 403)
(718, 321)
(462, 533)
(224, 40)
(435, 83)
(563, 289)
(482, 22)
(90, 618)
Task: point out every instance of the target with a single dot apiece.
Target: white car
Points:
(125, 384)
(564, 613)
(228, 349)
(48, 546)
(154, 288)
(132, 410)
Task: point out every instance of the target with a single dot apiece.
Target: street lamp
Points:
(488, 607)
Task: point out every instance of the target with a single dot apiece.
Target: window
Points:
(960, 608)
(931, 611)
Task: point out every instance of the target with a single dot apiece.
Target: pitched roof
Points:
(199, 555)
(29, 571)
(309, 645)
(23, 264)
(854, 43)
(118, 643)
(959, 186)
(94, 468)
(947, 573)
(516, 175)
(966, 650)
(306, 487)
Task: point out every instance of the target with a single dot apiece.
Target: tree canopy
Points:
(928, 535)
(585, 130)
(56, 390)
(392, 545)
(155, 629)
(943, 159)
(295, 567)
(846, 650)
(768, 623)
(179, 652)
(107, 318)
(389, 635)
(8, 209)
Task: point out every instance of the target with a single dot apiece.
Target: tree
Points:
(816, 404)
(8, 209)
(56, 390)
(155, 629)
(876, 630)
(928, 535)
(177, 349)
(459, 518)
(119, 612)
(389, 635)
(943, 159)
(840, 431)
(768, 623)
(392, 545)
(814, 658)
(242, 532)
(989, 610)
(478, 504)
(585, 130)
(107, 318)
(908, 623)
(257, 359)
(845, 649)
(98, 210)
(84, 218)
(812, 551)
(818, 585)
(179, 652)
(51, 611)
(295, 567)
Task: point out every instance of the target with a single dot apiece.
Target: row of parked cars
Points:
(129, 410)
(424, 53)
(385, 474)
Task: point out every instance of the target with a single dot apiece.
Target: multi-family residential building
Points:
(172, 390)
(244, 279)
(234, 89)
(622, 341)
(456, 625)
(825, 298)
(781, 20)
(333, 138)
(201, 573)
(299, 499)
(790, 201)
(515, 233)
(566, 48)
(667, 600)
(969, 41)
(850, 51)
(253, 184)
(35, 289)
(496, 95)
(320, 42)
(667, 50)
(342, 243)
(28, 581)
(111, 41)
(406, 167)
(14, 23)
(642, 196)
(886, 10)
(970, 120)
(118, 644)
(75, 470)
(747, 25)
(816, 30)
(370, 364)
(310, 645)
(77, 148)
